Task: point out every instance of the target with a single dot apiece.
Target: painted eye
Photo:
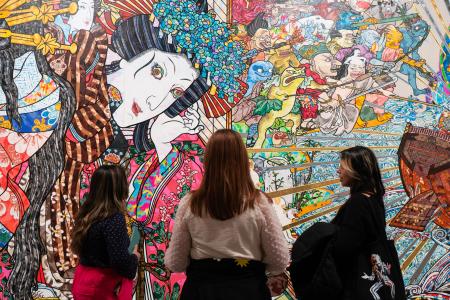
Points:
(157, 71)
(177, 92)
(260, 70)
(270, 70)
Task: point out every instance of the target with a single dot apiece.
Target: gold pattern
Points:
(40, 125)
(47, 44)
(44, 14)
(5, 123)
(241, 262)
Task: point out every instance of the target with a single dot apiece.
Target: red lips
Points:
(136, 109)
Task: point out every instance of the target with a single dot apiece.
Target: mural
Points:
(144, 83)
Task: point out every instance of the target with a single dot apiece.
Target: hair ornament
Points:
(356, 55)
(201, 36)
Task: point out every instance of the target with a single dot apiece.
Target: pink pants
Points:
(98, 283)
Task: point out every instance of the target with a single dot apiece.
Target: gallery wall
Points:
(145, 83)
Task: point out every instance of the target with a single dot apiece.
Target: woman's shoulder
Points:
(359, 201)
(263, 203)
(117, 218)
(364, 202)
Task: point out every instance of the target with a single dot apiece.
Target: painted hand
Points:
(166, 129)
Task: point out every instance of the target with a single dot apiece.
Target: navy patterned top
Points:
(106, 246)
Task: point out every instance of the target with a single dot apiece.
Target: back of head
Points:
(107, 193)
(362, 166)
(227, 189)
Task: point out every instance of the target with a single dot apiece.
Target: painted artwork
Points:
(144, 83)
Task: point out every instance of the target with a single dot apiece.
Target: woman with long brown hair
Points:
(226, 234)
(100, 239)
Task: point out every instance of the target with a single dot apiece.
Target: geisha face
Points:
(84, 17)
(356, 68)
(149, 84)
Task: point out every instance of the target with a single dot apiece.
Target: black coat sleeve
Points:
(117, 243)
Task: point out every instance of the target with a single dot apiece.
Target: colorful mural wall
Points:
(144, 83)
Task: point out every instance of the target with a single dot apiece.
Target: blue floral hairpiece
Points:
(199, 34)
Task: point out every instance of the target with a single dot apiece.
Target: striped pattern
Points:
(429, 132)
(216, 107)
(89, 135)
(220, 8)
(128, 8)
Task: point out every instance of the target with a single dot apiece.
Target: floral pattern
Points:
(206, 38)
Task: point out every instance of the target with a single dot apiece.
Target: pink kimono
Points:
(156, 189)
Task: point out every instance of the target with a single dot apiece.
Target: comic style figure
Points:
(380, 275)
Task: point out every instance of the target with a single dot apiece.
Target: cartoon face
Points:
(360, 5)
(347, 38)
(84, 17)
(356, 68)
(149, 84)
(314, 25)
(420, 28)
(262, 39)
(387, 7)
(347, 19)
(292, 76)
(376, 260)
(326, 65)
(368, 38)
(260, 70)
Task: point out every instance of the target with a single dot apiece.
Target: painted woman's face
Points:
(149, 84)
(84, 17)
(356, 68)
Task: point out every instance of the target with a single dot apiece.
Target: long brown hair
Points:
(227, 189)
(107, 192)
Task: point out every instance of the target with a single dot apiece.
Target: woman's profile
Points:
(226, 234)
(101, 241)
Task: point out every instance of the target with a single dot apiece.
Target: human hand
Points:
(277, 284)
(136, 252)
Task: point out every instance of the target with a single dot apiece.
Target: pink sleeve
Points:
(178, 252)
(276, 252)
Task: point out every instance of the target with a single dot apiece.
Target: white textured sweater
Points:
(256, 234)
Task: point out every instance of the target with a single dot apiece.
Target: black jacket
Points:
(313, 270)
(357, 229)
(324, 258)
